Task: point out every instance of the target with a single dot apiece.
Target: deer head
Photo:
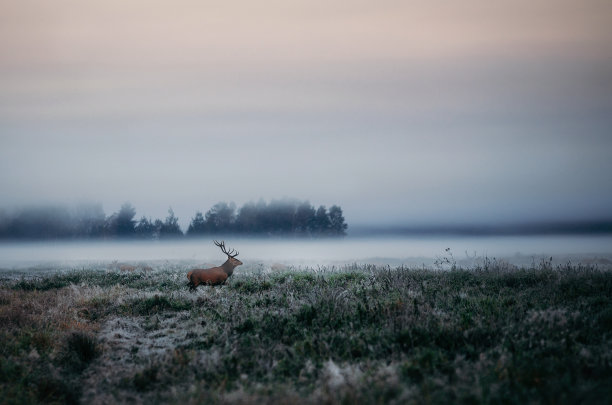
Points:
(231, 255)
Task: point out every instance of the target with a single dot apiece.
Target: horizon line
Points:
(561, 227)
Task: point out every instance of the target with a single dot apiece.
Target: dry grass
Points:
(360, 334)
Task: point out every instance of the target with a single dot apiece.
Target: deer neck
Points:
(228, 267)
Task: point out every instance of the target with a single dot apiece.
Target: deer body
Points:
(214, 275)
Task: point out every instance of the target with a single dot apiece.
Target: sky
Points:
(401, 112)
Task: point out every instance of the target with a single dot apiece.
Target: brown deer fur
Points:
(214, 275)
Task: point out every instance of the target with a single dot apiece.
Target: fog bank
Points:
(264, 253)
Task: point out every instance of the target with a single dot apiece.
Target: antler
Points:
(231, 253)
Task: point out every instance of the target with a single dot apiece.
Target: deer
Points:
(215, 275)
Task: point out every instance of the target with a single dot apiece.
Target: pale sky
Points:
(398, 111)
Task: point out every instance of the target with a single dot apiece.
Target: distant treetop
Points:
(278, 218)
(285, 217)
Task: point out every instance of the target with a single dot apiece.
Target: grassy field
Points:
(357, 334)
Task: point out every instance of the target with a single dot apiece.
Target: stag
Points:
(215, 275)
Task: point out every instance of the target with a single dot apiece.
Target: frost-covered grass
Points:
(356, 334)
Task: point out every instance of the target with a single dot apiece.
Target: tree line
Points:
(277, 218)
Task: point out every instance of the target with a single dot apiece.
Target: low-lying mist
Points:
(410, 251)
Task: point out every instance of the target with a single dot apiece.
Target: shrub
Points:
(80, 349)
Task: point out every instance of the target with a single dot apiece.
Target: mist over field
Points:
(419, 193)
(34, 258)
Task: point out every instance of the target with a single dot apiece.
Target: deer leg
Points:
(192, 285)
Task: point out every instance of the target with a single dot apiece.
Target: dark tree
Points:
(248, 219)
(321, 223)
(221, 217)
(158, 224)
(304, 220)
(279, 217)
(121, 224)
(110, 226)
(4, 224)
(263, 222)
(125, 221)
(197, 225)
(50, 222)
(145, 229)
(88, 221)
(337, 225)
(170, 227)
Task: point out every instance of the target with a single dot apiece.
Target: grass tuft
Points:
(80, 350)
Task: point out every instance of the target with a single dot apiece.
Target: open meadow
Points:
(416, 198)
(492, 333)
